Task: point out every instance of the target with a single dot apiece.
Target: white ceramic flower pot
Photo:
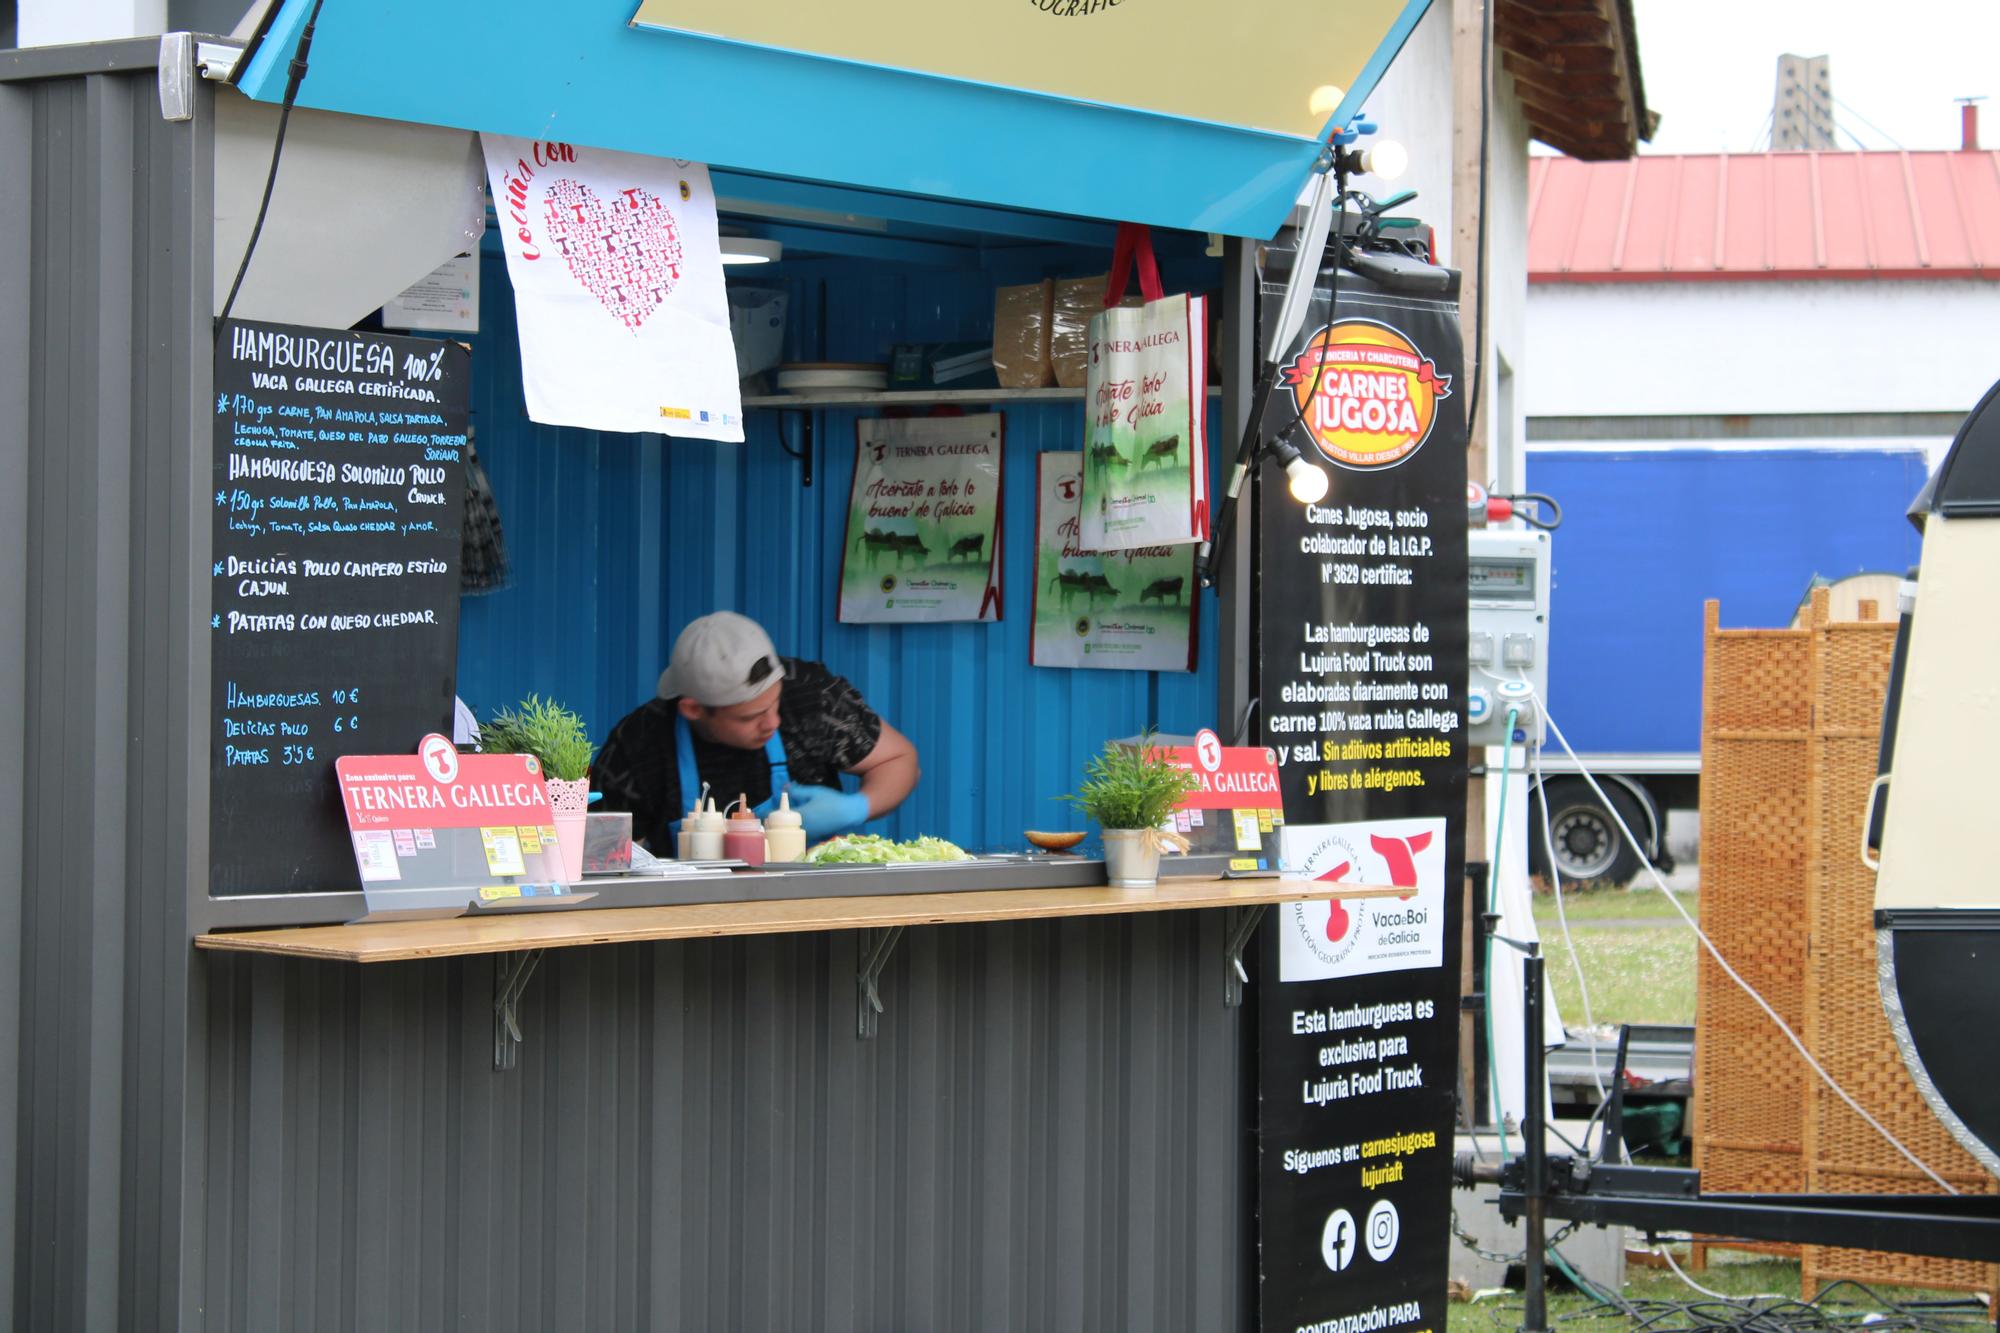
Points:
(1131, 859)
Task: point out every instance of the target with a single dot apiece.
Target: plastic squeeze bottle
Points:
(784, 832)
(744, 840)
(684, 844)
(704, 829)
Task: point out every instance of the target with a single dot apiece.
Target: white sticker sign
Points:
(1358, 936)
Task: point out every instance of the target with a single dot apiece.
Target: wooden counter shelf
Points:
(519, 939)
(400, 941)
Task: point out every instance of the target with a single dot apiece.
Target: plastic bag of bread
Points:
(1076, 300)
(1021, 335)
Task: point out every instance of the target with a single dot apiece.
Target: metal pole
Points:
(1534, 1221)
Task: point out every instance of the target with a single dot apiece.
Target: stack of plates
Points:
(832, 377)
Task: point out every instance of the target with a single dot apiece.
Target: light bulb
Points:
(1386, 159)
(1307, 483)
(1325, 99)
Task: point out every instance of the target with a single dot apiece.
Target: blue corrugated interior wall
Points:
(617, 541)
(1648, 536)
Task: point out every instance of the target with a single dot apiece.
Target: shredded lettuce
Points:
(873, 849)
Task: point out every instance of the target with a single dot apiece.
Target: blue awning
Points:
(610, 74)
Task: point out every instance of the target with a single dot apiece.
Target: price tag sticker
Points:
(503, 851)
(531, 840)
(375, 853)
(1249, 837)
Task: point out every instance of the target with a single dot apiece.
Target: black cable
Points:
(1249, 453)
(294, 77)
(1482, 293)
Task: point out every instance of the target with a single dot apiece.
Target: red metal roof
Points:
(1765, 215)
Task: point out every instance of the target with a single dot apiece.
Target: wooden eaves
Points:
(1575, 68)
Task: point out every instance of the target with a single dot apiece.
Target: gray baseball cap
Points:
(721, 659)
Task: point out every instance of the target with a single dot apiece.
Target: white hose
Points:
(1715, 953)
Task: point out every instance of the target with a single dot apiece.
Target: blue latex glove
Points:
(826, 811)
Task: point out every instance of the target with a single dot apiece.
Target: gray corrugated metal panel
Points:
(95, 1120)
(1043, 1136)
(17, 336)
(617, 541)
(136, 55)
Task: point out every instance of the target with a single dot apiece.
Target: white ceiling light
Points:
(750, 250)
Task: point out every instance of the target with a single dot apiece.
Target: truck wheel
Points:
(1589, 848)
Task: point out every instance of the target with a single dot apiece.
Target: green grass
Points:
(1637, 974)
(1732, 1275)
(1611, 905)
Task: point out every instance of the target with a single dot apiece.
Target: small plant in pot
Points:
(556, 737)
(1130, 790)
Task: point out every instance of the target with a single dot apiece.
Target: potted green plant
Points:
(1130, 790)
(556, 738)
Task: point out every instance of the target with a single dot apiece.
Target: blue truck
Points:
(1648, 535)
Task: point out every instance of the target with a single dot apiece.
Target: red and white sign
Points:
(1359, 936)
(386, 791)
(1233, 777)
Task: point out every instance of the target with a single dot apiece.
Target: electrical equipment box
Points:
(1508, 634)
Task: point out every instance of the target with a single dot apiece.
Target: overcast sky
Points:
(1710, 68)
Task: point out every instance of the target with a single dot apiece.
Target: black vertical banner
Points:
(1362, 680)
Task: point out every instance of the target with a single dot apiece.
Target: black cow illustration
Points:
(1069, 583)
(897, 545)
(1107, 455)
(1167, 451)
(970, 547)
(1161, 589)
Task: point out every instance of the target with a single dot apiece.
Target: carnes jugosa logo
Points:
(1367, 394)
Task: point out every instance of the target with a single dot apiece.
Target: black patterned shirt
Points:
(825, 724)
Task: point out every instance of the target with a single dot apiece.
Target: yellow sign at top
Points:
(1278, 65)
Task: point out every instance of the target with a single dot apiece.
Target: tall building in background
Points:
(1802, 112)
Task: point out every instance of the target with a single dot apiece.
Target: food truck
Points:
(996, 1092)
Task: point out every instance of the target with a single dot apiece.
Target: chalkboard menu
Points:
(338, 494)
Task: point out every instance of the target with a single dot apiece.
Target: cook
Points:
(733, 714)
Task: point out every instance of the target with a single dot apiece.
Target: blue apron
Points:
(774, 750)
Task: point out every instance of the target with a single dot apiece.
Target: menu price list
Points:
(338, 495)
(1362, 665)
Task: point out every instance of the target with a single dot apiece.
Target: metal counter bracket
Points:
(510, 978)
(1241, 924)
(875, 948)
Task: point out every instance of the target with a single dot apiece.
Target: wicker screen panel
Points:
(1844, 1024)
(1749, 1129)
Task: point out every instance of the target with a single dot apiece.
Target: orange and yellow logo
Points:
(1367, 395)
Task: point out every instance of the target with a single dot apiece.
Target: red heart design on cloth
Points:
(626, 251)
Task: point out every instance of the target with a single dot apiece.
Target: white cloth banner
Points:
(617, 274)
